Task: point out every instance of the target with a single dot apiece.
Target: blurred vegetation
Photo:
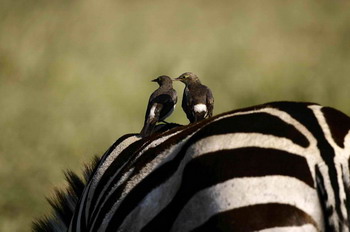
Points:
(75, 75)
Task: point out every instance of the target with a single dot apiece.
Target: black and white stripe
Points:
(281, 166)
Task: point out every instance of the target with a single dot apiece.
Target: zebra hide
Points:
(281, 166)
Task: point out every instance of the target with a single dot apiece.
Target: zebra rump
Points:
(281, 166)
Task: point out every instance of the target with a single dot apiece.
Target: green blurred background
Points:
(75, 75)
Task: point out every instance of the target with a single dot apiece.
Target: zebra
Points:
(280, 166)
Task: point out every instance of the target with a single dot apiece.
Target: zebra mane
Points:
(64, 201)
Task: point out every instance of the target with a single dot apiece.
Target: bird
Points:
(161, 104)
(198, 100)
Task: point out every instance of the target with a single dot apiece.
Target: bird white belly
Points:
(200, 108)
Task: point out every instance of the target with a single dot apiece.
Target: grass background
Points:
(75, 75)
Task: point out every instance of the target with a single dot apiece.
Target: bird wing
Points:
(152, 117)
(167, 103)
(187, 104)
(210, 102)
(156, 97)
(160, 105)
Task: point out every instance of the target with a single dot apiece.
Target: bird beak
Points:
(177, 79)
(155, 80)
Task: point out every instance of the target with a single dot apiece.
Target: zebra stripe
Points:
(280, 166)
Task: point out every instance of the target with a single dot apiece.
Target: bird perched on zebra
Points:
(198, 100)
(160, 105)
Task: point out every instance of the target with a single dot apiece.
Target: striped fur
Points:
(280, 166)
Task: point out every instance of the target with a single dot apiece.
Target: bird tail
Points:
(199, 116)
(147, 129)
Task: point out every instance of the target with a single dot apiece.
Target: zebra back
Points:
(278, 166)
